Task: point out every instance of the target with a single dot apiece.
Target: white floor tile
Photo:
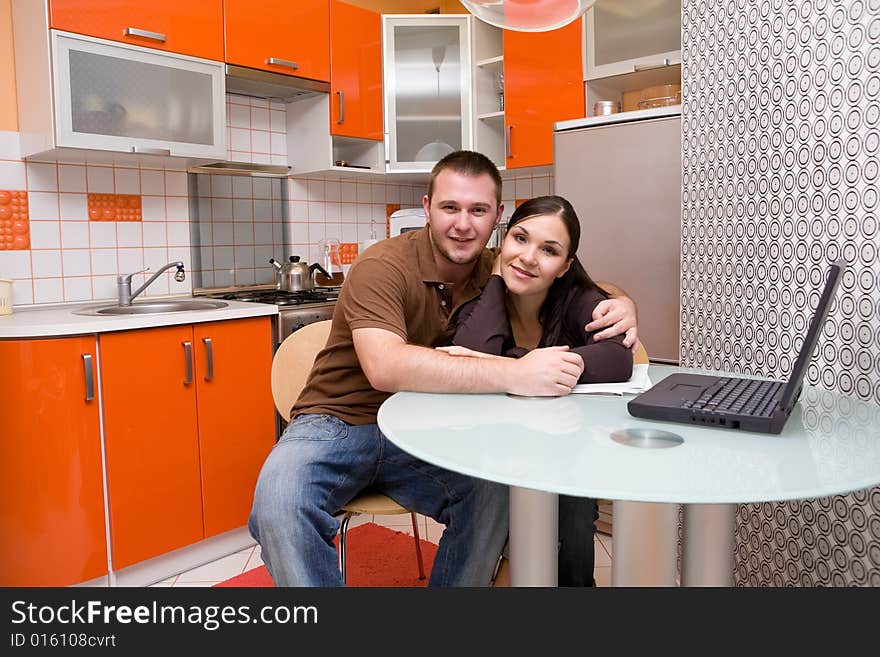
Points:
(255, 560)
(603, 576)
(396, 521)
(435, 531)
(196, 585)
(602, 558)
(216, 571)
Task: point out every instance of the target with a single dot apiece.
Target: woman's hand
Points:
(454, 350)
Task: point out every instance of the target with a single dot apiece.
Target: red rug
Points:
(377, 556)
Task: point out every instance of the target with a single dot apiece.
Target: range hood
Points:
(227, 168)
(272, 86)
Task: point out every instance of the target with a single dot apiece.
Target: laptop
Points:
(758, 405)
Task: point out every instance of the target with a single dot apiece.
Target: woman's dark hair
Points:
(574, 282)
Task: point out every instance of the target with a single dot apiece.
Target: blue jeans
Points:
(321, 463)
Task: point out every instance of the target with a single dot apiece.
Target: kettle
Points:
(294, 276)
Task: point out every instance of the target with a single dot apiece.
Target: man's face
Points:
(461, 215)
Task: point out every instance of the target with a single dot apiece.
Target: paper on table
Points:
(638, 382)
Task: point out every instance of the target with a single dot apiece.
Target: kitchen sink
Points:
(154, 307)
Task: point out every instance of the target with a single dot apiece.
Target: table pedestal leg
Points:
(534, 537)
(708, 545)
(644, 544)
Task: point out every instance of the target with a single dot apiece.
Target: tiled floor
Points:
(235, 564)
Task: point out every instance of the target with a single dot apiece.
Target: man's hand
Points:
(547, 372)
(615, 316)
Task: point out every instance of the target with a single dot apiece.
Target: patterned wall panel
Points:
(780, 168)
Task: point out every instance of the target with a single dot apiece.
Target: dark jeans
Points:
(577, 516)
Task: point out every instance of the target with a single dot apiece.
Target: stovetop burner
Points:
(280, 297)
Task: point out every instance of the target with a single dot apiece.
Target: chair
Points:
(290, 368)
(640, 357)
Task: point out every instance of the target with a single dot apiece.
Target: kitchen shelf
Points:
(491, 115)
(491, 62)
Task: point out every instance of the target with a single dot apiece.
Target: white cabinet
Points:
(488, 92)
(107, 97)
(427, 82)
(628, 36)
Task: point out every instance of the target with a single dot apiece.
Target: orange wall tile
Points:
(8, 97)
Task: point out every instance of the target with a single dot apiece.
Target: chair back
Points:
(293, 362)
(640, 357)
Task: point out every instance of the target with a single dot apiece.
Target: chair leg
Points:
(343, 529)
(418, 545)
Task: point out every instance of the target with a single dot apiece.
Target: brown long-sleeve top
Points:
(483, 325)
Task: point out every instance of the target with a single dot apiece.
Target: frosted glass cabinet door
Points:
(130, 99)
(625, 36)
(427, 78)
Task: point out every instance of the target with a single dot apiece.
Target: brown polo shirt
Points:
(394, 285)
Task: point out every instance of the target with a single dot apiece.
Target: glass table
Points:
(589, 446)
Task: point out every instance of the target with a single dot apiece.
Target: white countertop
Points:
(618, 117)
(59, 320)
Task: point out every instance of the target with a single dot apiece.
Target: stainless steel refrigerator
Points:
(622, 174)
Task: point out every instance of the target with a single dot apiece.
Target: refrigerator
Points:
(622, 174)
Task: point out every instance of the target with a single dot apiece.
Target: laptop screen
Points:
(795, 381)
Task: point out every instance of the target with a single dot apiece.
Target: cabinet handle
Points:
(90, 376)
(150, 151)
(209, 352)
(648, 67)
(188, 355)
(387, 148)
(133, 31)
(282, 62)
(341, 107)
(507, 130)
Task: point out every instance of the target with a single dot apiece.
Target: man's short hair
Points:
(468, 163)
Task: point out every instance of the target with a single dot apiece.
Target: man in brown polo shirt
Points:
(394, 304)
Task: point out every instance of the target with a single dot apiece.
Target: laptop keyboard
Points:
(740, 396)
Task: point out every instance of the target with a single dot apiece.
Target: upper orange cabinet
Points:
(543, 83)
(280, 36)
(194, 27)
(355, 72)
(51, 492)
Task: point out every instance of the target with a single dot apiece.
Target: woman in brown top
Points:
(540, 296)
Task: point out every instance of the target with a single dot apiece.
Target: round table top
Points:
(830, 445)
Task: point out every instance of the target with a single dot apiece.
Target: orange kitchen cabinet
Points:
(151, 442)
(51, 492)
(543, 83)
(355, 72)
(194, 27)
(236, 415)
(280, 36)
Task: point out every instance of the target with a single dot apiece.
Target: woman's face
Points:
(534, 254)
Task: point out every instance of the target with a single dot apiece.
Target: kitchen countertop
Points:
(618, 117)
(59, 320)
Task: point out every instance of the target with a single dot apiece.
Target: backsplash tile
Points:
(14, 220)
(238, 222)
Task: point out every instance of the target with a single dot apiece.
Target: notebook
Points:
(735, 403)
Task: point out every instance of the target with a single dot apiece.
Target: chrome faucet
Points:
(123, 283)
